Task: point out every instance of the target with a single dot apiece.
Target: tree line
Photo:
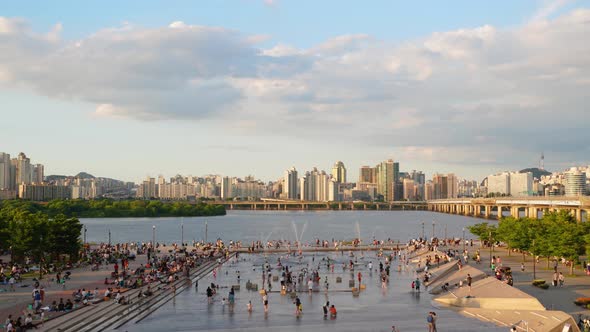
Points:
(47, 232)
(38, 236)
(107, 208)
(556, 235)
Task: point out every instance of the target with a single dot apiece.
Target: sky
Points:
(129, 89)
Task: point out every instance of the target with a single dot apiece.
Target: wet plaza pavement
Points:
(375, 309)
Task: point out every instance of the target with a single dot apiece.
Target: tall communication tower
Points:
(542, 161)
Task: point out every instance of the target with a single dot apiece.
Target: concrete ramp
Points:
(454, 277)
(534, 320)
(441, 271)
(490, 293)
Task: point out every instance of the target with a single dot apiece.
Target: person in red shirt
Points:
(360, 277)
(333, 312)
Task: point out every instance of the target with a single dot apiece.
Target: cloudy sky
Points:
(237, 87)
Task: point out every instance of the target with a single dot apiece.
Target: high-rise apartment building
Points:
(409, 189)
(575, 182)
(290, 188)
(23, 169)
(5, 183)
(499, 183)
(445, 186)
(314, 186)
(38, 174)
(419, 179)
(43, 192)
(511, 183)
(339, 172)
(226, 187)
(368, 174)
(147, 189)
(521, 184)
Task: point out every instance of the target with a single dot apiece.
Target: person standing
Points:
(297, 306)
(555, 277)
(310, 285)
(561, 279)
(360, 277)
(469, 279)
(326, 307)
(265, 301)
(209, 294)
(430, 322)
(434, 317)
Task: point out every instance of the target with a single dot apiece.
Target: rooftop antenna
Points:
(542, 161)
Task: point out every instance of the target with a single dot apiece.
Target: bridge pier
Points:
(487, 211)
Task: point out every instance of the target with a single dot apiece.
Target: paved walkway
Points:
(15, 303)
(554, 298)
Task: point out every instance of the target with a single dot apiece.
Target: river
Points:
(264, 225)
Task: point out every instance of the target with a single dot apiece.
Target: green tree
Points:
(482, 231)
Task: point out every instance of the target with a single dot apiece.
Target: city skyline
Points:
(242, 87)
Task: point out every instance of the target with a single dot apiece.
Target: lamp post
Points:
(154, 236)
(182, 232)
(534, 262)
(446, 232)
(463, 239)
(41, 259)
(205, 231)
(422, 230)
(85, 230)
(433, 222)
(491, 247)
(109, 237)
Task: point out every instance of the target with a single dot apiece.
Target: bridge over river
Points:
(532, 207)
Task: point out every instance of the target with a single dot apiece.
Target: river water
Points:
(249, 226)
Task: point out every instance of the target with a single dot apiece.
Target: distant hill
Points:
(537, 172)
(84, 175)
(55, 177)
(81, 175)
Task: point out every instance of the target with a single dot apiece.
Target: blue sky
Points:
(253, 87)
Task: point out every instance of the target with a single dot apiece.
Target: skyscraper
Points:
(386, 178)
(339, 172)
(290, 188)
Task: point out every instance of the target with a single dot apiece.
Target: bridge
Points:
(268, 204)
(532, 207)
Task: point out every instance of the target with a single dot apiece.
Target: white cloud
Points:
(549, 8)
(453, 96)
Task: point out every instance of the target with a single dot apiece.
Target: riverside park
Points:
(381, 270)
